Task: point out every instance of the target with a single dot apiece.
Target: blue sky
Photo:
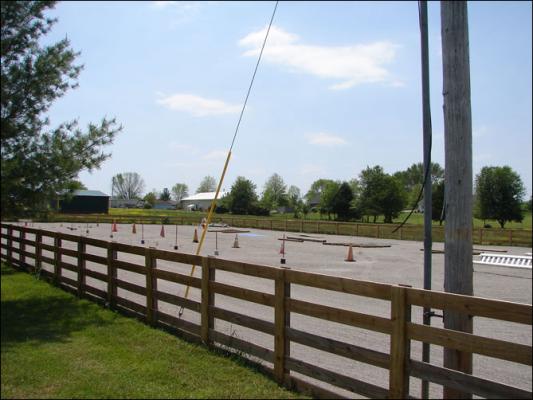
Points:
(338, 88)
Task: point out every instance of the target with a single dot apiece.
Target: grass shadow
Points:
(44, 317)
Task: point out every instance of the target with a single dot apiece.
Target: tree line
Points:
(499, 193)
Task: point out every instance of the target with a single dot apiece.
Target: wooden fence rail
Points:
(487, 236)
(17, 248)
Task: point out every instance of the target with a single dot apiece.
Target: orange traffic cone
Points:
(236, 242)
(114, 228)
(133, 229)
(195, 237)
(162, 234)
(349, 257)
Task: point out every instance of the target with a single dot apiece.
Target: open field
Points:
(57, 346)
(415, 219)
(401, 263)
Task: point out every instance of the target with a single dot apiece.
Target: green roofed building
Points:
(83, 202)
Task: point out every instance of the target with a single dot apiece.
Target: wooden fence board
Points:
(68, 252)
(243, 294)
(465, 382)
(260, 271)
(178, 278)
(333, 378)
(351, 351)
(242, 345)
(489, 308)
(181, 258)
(94, 258)
(352, 318)
(139, 269)
(131, 305)
(179, 323)
(178, 301)
(345, 285)
(96, 275)
(70, 267)
(131, 287)
(243, 320)
(470, 343)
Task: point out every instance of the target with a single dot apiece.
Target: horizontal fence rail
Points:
(145, 299)
(487, 236)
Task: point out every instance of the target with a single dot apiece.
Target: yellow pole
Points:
(209, 216)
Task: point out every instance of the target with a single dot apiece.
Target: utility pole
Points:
(458, 271)
(426, 118)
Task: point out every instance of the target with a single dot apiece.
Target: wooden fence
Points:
(20, 244)
(492, 236)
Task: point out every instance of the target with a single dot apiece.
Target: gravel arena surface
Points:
(401, 263)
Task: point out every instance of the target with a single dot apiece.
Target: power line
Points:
(253, 77)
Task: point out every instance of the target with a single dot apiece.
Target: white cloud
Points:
(325, 139)
(198, 106)
(353, 65)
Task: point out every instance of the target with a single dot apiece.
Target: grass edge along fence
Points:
(401, 330)
(481, 236)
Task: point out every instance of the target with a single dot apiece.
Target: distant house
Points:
(200, 201)
(165, 205)
(83, 202)
(315, 201)
(126, 203)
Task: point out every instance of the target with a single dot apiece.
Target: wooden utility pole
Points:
(426, 117)
(458, 271)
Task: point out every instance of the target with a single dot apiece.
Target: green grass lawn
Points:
(57, 346)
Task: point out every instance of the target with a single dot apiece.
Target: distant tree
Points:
(127, 185)
(372, 186)
(381, 194)
(529, 204)
(74, 185)
(242, 196)
(38, 161)
(498, 195)
(179, 191)
(165, 195)
(437, 202)
(412, 180)
(294, 200)
(274, 193)
(342, 200)
(150, 198)
(314, 194)
(208, 184)
(327, 197)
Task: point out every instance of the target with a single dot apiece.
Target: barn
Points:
(84, 202)
(199, 201)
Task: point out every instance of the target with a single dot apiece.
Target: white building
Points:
(200, 201)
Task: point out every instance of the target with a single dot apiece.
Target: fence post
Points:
(318, 227)
(400, 345)
(401, 233)
(480, 235)
(150, 262)
(337, 227)
(38, 251)
(81, 265)
(111, 275)
(22, 248)
(378, 231)
(301, 226)
(282, 319)
(9, 254)
(510, 237)
(57, 258)
(208, 298)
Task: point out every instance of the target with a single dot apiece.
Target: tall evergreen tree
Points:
(38, 161)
